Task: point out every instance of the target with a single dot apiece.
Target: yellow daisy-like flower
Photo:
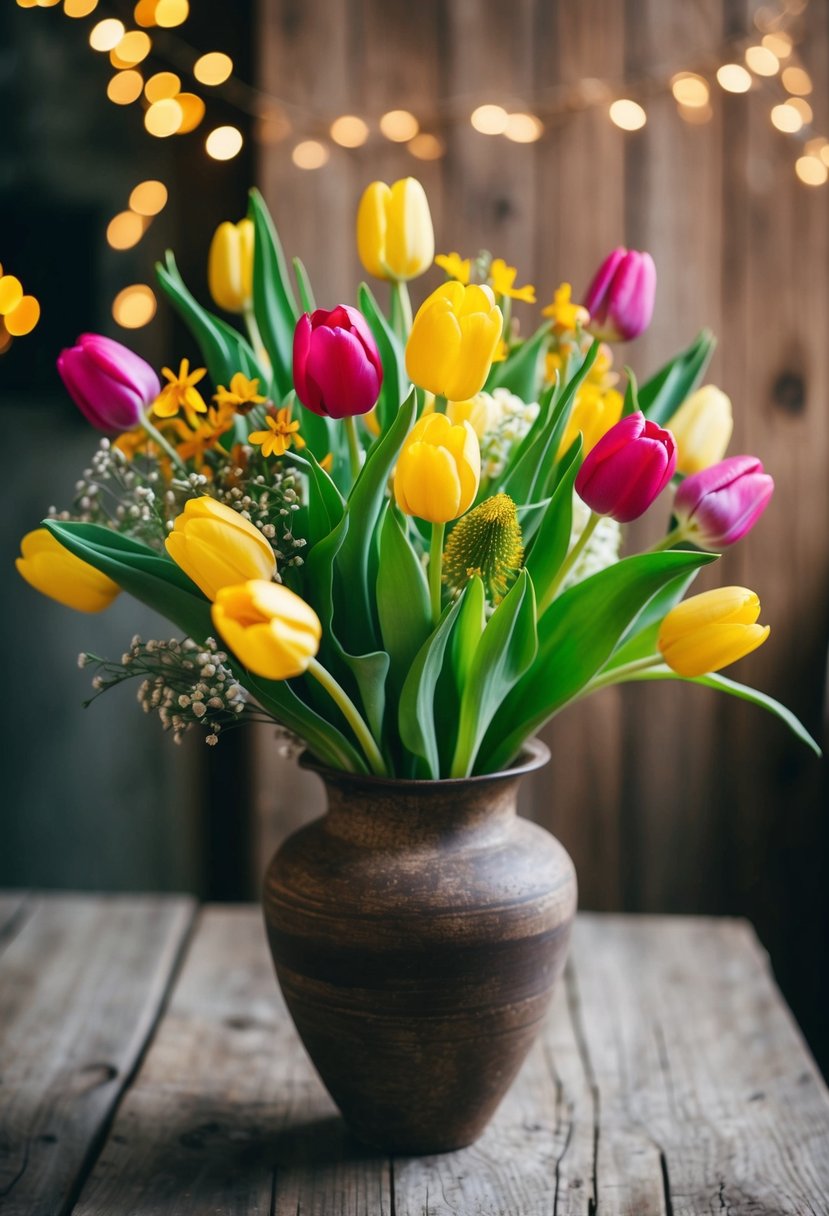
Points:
(281, 434)
(242, 395)
(455, 266)
(597, 406)
(502, 278)
(566, 314)
(181, 393)
(131, 443)
(197, 441)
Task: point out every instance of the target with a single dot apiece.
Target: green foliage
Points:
(274, 303)
(662, 395)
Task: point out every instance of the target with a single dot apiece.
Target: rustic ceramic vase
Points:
(417, 930)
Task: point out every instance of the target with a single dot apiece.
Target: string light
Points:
(164, 117)
(223, 143)
(27, 3)
(426, 146)
(125, 230)
(490, 119)
(161, 86)
(144, 13)
(811, 170)
(134, 306)
(796, 80)
(213, 68)
(106, 35)
(11, 293)
(762, 61)
(399, 126)
(170, 13)
(193, 111)
(125, 87)
(627, 114)
(132, 48)
(148, 198)
(349, 131)
(780, 44)
(734, 78)
(786, 118)
(803, 108)
(310, 154)
(690, 90)
(523, 128)
(79, 8)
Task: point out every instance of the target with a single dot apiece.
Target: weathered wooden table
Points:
(148, 1066)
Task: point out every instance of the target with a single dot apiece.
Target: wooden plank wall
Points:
(668, 798)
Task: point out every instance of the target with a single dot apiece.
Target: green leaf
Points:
(577, 635)
(640, 639)
(326, 505)
(395, 379)
(274, 304)
(520, 372)
(324, 739)
(416, 712)
(306, 291)
(662, 395)
(402, 597)
(549, 548)
(505, 651)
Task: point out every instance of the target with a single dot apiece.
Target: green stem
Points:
(401, 309)
(158, 438)
(352, 715)
(256, 340)
(354, 452)
(621, 674)
(568, 563)
(676, 535)
(506, 312)
(435, 568)
(440, 404)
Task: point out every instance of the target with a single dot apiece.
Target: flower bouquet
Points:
(399, 540)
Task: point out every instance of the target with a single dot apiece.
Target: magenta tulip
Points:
(627, 469)
(717, 506)
(110, 384)
(620, 298)
(337, 368)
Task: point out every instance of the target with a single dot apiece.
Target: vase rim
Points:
(534, 755)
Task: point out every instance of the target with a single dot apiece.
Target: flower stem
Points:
(673, 537)
(352, 715)
(256, 340)
(435, 569)
(354, 453)
(621, 674)
(401, 309)
(569, 561)
(158, 438)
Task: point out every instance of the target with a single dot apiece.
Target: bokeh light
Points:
(134, 306)
(627, 114)
(192, 108)
(426, 146)
(125, 87)
(734, 78)
(223, 143)
(690, 90)
(803, 108)
(786, 118)
(125, 230)
(11, 293)
(164, 117)
(310, 154)
(399, 126)
(489, 119)
(213, 68)
(106, 35)
(780, 44)
(132, 48)
(79, 8)
(523, 128)
(144, 13)
(349, 131)
(170, 13)
(148, 198)
(161, 86)
(22, 319)
(695, 116)
(796, 80)
(762, 61)
(811, 170)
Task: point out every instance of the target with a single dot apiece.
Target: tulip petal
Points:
(371, 228)
(410, 238)
(594, 299)
(699, 652)
(347, 381)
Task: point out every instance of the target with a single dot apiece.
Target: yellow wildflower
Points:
(130, 443)
(242, 395)
(566, 314)
(455, 266)
(327, 462)
(181, 393)
(501, 352)
(502, 277)
(197, 441)
(281, 434)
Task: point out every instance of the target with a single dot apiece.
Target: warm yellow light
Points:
(816, 146)
(134, 306)
(79, 8)
(47, 3)
(144, 13)
(797, 80)
(627, 114)
(106, 35)
(734, 78)
(22, 319)
(125, 230)
(213, 68)
(27, 3)
(5, 336)
(192, 108)
(426, 146)
(695, 116)
(125, 87)
(489, 119)
(161, 86)
(523, 128)
(11, 293)
(148, 198)
(779, 44)
(399, 126)
(824, 154)
(762, 61)
(132, 48)
(803, 108)
(223, 143)
(164, 117)
(310, 154)
(786, 118)
(169, 13)
(349, 131)
(689, 89)
(811, 170)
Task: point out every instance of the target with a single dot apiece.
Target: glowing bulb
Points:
(489, 119)
(132, 48)
(399, 126)
(148, 198)
(134, 306)
(192, 108)
(734, 78)
(161, 86)
(125, 87)
(27, 3)
(762, 61)
(811, 170)
(213, 68)
(125, 230)
(169, 13)
(11, 293)
(349, 131)
(786, 118)
(523, 128)
(310, 154)
(79, 8)
(779, 44)
(627, 114)
(22, 319)
(164, 117)
(689, 89)
(797, 80)
(106, 35)
(426, 146)
(223, 143)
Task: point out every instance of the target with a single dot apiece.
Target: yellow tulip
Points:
(438, 470)
(594, 413)
(480, 411)
(453, 340)
(395, 238)
(702, 428)
(216, 547)
(230, 266)
(51, 569)
(711, 630)
(271, 630)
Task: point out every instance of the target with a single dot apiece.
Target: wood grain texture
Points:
(81, 984)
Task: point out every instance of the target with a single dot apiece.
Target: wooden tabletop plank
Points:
(82, 980)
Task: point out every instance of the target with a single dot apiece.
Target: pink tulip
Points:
(717, 506)
(620, 298)
(337, 368)
(627, 469)
(109, 383)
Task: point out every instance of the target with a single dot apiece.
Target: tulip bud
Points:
(216, 547)
(481, 412)
(395, 238)
(711, 630)
(702, 428)
(627, 469)
(337, 366)
(51, 569)
(230, 266)
(718, 506)
(438, 470)
(273, 632)
(109, 383)
(620, 298)
(453, 340)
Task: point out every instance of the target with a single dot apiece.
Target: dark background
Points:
(668, 798)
